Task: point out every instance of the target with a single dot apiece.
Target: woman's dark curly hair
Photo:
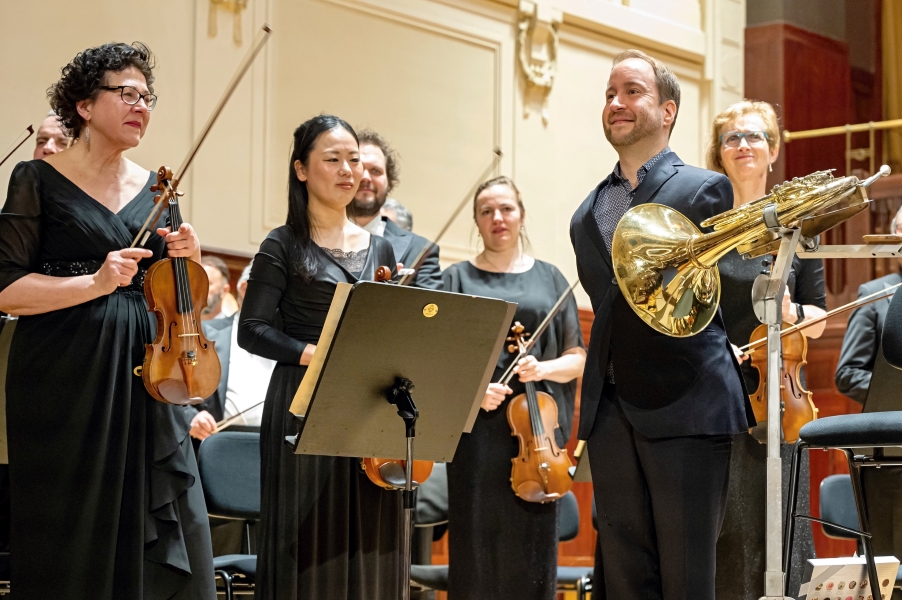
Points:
(83, 77)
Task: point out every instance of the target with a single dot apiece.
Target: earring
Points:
(770, 167)
(87, 135)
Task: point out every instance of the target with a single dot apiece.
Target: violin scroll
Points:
(383, 274)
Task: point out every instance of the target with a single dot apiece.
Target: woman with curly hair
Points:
(105, 497)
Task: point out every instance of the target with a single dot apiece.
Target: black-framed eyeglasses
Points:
(732, 139)
(132, 96)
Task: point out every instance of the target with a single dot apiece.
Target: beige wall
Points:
(439, 78)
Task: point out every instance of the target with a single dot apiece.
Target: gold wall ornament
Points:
(538, 42)
(233, 6)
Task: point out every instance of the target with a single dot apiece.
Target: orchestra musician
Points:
(325, 530)
(50, 138)
(864, 375)
(380, 176)
(501, 546)
(745, 141)
(658, 412)
(105, 492)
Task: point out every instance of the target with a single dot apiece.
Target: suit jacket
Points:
(220, 332)
(407, 246)
(862, 373)
(667, 386)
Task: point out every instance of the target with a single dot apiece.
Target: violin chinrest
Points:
(531, 491)
(393, 474)
(174, 391)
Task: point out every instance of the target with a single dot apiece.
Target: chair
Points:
(229, 465)
(579, 579)
(869, 433)
(838, 506)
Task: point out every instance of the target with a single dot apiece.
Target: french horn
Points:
(667, 269)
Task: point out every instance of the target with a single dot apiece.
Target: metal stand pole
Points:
(399, 395)
(767, 299)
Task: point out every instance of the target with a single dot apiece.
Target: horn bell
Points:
(652, 253)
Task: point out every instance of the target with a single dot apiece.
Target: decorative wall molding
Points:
(538, 43)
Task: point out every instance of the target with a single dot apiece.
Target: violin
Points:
(391, 473)
(541, 471)
(796, 402)
(180, 366)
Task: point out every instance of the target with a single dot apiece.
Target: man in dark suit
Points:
(243, 382)
(863, 375)
(658, 412)
(380, 176)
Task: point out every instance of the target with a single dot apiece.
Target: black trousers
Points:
(660, 506)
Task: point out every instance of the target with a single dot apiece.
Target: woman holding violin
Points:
(501, 546)
(105, 497)
(325, 530)
(745, 142)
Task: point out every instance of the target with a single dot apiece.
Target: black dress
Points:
(325, 530)
(741, 546)
(502, 547)
(105, 495)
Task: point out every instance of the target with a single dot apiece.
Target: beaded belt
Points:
(65, 268)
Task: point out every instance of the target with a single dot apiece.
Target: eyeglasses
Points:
(131, 95)
(732, 139)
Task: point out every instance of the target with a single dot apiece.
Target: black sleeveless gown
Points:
(105, 497)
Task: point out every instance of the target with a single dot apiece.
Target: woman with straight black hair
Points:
(325, 530)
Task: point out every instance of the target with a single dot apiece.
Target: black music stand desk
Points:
(383, 345)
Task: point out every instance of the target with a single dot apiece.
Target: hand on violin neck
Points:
(119, 268)
(181, 243)
(530, 369)
(494, 396)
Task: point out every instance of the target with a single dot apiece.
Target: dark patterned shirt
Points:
(613, 199)
(610, 206)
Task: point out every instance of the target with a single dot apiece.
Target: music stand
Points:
(381, 346)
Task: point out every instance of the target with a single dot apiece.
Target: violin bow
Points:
(407, 278)
(879, 295)
(509, 373)
(229, 421)
(170, 190)
(27, 133)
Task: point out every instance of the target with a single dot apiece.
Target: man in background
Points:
(863, 375)
(50, 138)
(380, 176)
(220, 304)
(244, 380)
(398, 213)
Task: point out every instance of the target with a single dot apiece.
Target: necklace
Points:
(510, 269)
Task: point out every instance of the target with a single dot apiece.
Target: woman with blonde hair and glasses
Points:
(745, 142)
